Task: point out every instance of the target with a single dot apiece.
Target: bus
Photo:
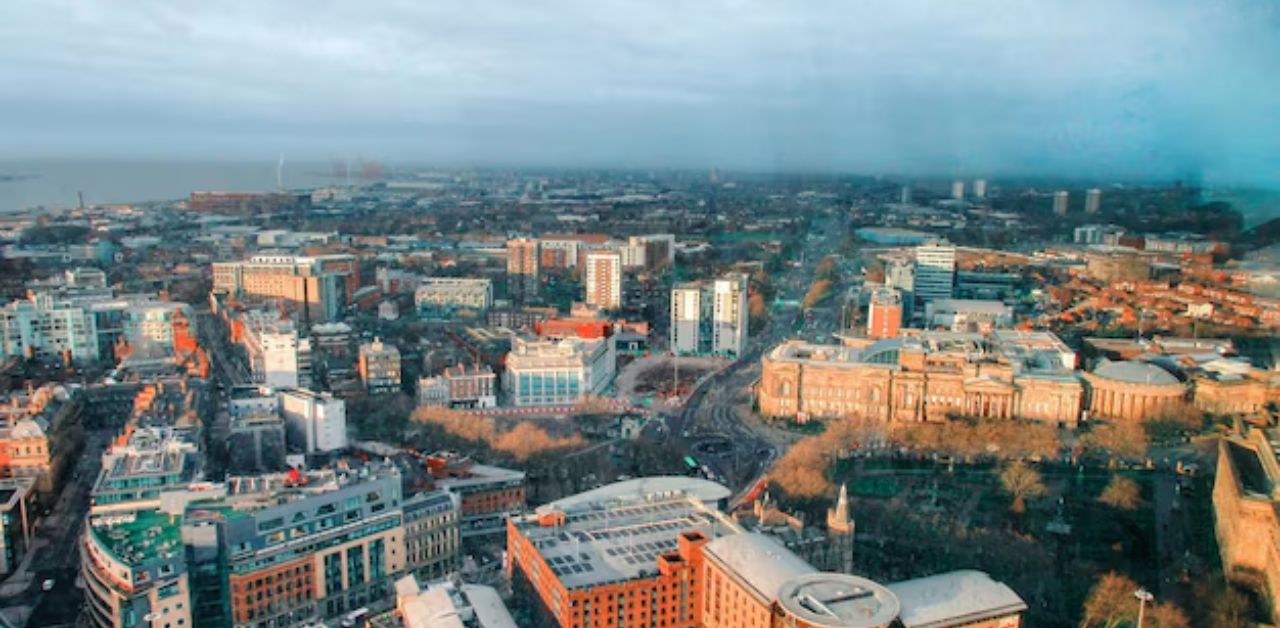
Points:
(691, 466)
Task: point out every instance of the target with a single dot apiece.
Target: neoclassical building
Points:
(1133, 391)
(925, 376)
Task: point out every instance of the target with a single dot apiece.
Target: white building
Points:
(314, 421)
(967, 315)
(556, 373)
(604, 279)
(1092, 201)
(1060, 199)
(980, 188)
(44, 328)
(935, 271)
(957, 190)
(278, 357)
(437, 294)
(710, 317)
(151, 323)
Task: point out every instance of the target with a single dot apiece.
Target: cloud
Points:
(1144, 88)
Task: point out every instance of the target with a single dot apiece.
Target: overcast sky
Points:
(1078, 88)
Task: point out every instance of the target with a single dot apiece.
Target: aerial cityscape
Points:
(430, 318)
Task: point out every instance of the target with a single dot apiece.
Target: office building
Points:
(957, 190)
(432, 540)
(150, 461)
(658, 552)
(44, 329)
(318, 287)
(926, 376)
(278, 357)
(904, 195)
(1092, 201)
(603, 279)
(1060, 199)
(968, 315)
(522, 270)
(380, 367)
(315, 422)
(460, 387)
(557, 373)
(884, 314)
(980, 189)
(710, 317)
(488, 495)
(17, 521)
(443, 295)
(935, 269)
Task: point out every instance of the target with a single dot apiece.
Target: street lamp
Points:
(1143, 596)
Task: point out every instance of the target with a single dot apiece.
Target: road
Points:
(720, 410)
(55, 551)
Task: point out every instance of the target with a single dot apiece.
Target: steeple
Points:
(838, 519)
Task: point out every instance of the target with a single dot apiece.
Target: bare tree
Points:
(1021, 482)
(1122, 493)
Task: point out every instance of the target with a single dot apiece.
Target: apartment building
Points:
(380, 367)
(522, 270)
(710, 317)
(603, 279)
(47, 329)
(442, 295)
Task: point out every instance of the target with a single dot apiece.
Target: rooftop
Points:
(604, 543)
(830, 600)
(1135, 372)
(666, 485)
(139, 537)
(954, 598)
(763, 563)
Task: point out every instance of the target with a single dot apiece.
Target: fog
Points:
(1138, 89)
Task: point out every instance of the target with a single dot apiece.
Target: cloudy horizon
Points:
(1085, 89)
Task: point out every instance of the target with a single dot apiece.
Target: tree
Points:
(818, 292)
(1112, 603)
(1124, 439)
(758, 311)
(1021, 482)
(1122, 493)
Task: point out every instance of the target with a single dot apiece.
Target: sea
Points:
(26, 184)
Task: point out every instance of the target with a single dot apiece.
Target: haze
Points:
(1072, 89)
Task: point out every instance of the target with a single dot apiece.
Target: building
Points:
(522, 270)
(661, 555)
(460, 387)
(45, 329)
(443, 295)
(149, 461)
(957, 598)
(248, 203)
(315, 422)
(1060, 199)
(935, 269)
(884, 314)
(135, 571)
(445, 605)
(957, 190)
(1246, 509)
(17, 521)
(649, 251)
(488, 495)
(1133, 391)
(1110, 265)
(317, 287)
(278, 357)
(603, 279)
(980, 189)
(1092, 201)
(431, 534)
(557, 373)
(256, 440)
(925, 376)
(710, 317)
(380, 367)
(967, 315)
(1097, 234)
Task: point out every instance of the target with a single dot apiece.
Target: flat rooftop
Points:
(639, 488)
(602, 543)
(831, 600)
(954, 598)
(139, 537)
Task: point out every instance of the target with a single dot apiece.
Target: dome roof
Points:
(1134, 372)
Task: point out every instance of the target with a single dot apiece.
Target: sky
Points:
(1120, 89)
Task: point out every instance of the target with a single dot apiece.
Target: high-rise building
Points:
(317, 286)
(979, 188)
(1092, 201)
(603, 279)
(1060, 199)
(316, 422)
(710, 317)
(957, 190)
(935, 270)
(522, 270)
(380, 367)
(884, 314)
(47, 329)
(904, 195)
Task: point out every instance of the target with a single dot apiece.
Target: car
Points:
(47, 585)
